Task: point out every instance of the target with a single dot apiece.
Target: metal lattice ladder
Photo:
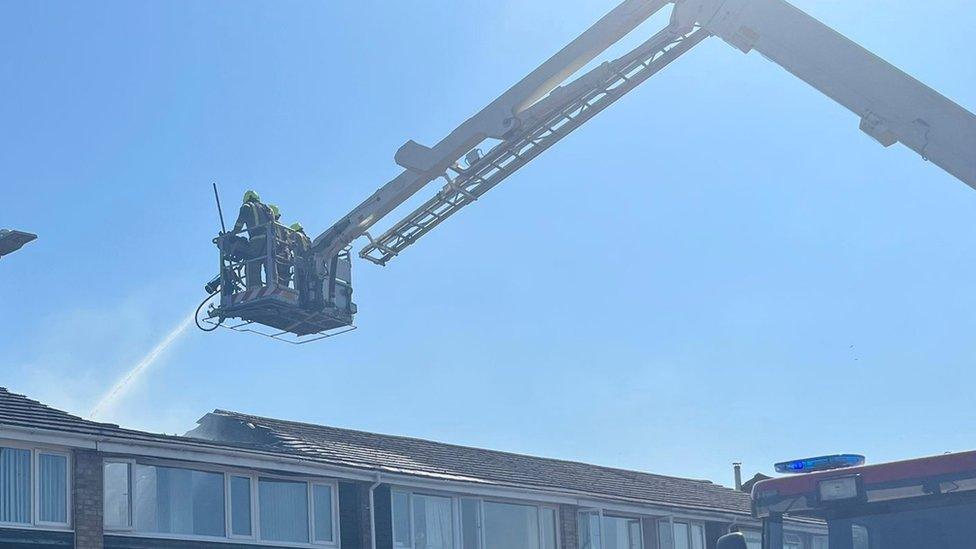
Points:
(544, 124)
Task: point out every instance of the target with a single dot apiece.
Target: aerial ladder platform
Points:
(551, 102)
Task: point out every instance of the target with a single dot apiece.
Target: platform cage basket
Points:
(284, 299)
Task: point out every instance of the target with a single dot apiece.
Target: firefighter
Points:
(301, 245)
(283, 247)
(255, 215)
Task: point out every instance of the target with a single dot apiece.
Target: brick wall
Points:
(87, 500)
(568, 526)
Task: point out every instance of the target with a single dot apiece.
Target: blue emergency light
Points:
(822, 463)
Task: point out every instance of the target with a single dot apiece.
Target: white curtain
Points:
(284, 510)
(589, 531)
(15, 486)
(53, 493)
(433, 522)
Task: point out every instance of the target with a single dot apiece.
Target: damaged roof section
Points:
(448, 462)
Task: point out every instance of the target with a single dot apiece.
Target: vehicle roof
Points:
(871, 475)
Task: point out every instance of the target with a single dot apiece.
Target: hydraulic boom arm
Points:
(539, 111)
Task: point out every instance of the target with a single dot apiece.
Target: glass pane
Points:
(589, 531)
(621, 533)
(52, 471)
(15, 485)
(433, 522)
(240, 506)
(754, 540)
(681, 536)
(401, 519)
(322, 504)
(284, 510)
(860, 536)
(792, 541)
(509, 526)
(549, 522)
(665, 539)
(178, 501)
(697, 536)
(470, 524)
(117, 495)
(636, 535)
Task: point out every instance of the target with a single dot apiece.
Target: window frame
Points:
(691, 523)
(602, 514)
(457, 525)
(229, 506)
(38, 452)
(334, 511)
(130, 494)
(35, 487)
(228, 473)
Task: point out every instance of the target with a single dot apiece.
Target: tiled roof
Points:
(18, 411)
(395, 454)
(425, 458)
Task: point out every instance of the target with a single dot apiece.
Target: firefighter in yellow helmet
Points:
(255, 216)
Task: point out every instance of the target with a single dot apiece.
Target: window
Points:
(510, 526)
(33, 487)
(599, 531)
(471, 523)
(622, 533)
(792, 541)
(118, 490)
(322, 511)
(178, 501)
(422, 521)
(753, 540)
(433, 522)
(52, 490)
(284, 510)
(684, 535)
(550, 525)
(15, 486)
(402, 532)
(181, 503)
(819, 542)
(240, 507)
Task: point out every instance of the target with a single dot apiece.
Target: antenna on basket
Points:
(220, 211)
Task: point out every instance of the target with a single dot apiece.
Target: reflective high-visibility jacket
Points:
(253, 215)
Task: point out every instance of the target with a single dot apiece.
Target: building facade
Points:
(240, 481)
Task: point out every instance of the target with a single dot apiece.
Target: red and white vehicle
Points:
(927, 503)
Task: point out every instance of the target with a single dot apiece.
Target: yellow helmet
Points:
(251, 196)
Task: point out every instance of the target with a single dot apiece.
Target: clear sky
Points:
(720, 267)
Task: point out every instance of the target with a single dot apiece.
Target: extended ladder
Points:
(543, 125)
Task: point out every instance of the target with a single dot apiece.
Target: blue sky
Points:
(718, 268)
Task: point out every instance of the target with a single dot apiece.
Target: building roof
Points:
(370, 452)
(19, 411)
(424, 458)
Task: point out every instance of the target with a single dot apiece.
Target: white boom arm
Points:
(893, 106)
(535, 113)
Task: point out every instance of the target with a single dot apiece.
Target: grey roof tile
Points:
(448, 461)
